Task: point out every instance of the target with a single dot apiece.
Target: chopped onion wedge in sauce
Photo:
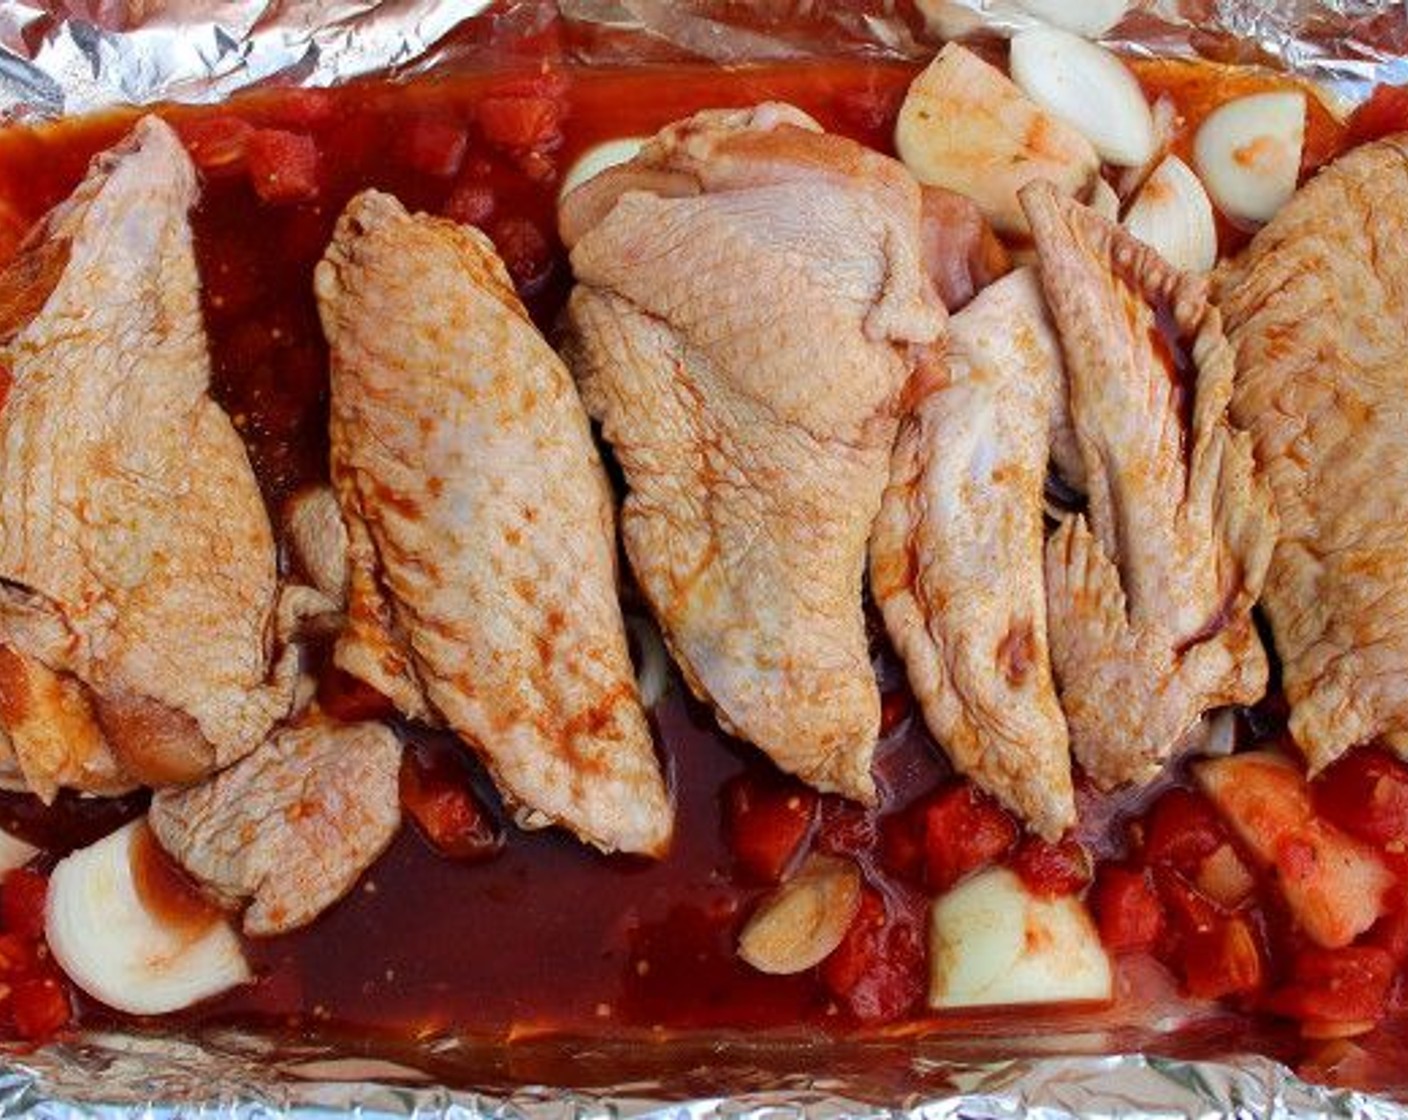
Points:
(1087, 87)
(1248, 153)
(115, 947)
(1171, 213)
(965, 126)
(994, 943)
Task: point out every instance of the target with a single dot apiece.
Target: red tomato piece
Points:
(516, 122)
(17, 955)
(22, 896)
(845, 829)
(902, 845)
(438, 798)
(40, 1007)
(304, 108)
(434, 146)
(351, 699)
(895, 707)
(216, 144)
(1390, 932)
(525, 251)
(283, 166)
(1385, 113)
(964, 830)
(1127, 909)
(1223, 960)
(871, 110)
(1187, 911)
(767, 819)
(470, 204)
(1051, 870)
(1366, 794)
(878, 969)
(1181, 831)
(1347, 985)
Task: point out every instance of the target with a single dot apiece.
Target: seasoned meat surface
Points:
(318, 540)
(1150, 594)
(751, 303)
(482, 587)
(290, 828)
(136, 554)
(956, 556)
(1317, 310)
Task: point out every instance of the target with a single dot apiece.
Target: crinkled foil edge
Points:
(203, 51)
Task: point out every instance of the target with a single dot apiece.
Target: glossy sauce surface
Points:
(547, 936)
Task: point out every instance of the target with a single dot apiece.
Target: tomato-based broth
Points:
(469, 925)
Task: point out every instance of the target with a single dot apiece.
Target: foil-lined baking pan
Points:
(76, 56)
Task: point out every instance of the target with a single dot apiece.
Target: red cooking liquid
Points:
(546, 936)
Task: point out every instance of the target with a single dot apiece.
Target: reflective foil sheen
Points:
(61, 57)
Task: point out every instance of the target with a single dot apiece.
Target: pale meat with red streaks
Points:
(137, 558)
(290, 828)
(1317, 310)
(956, 556)
(751, 302)
(482, 586)
(1149, 592)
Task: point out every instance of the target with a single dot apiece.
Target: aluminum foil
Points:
(73, 56)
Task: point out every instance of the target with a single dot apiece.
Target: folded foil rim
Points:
(78, 56)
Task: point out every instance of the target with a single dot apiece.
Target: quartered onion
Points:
(1089, 18)
(1172, 214)
(597, 159)
(967, 127)
(993, 943)
(1087, 87)
(1104, 200)
(1248, 153)
(120, 951)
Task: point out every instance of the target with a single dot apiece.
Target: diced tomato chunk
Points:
(767, 819)
(304, 108)
(471, 204)
(1222, 960)
(1187, 910)
(964, 830)
(438, 797)
(216, 144)
(515, 122)
(40, 1007)
(871, 109)
(1051, 870)
(434, 146)
(1390, 932)
(283, 166)
(1347, 985)
(1385, 113)
(22, 896)
(526, 252)
(878, 969)
(1366, 794)
(1127, 910)
(1181, 831)
(895, 707)
(845, 830)
(17, 955)
(351, 699)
